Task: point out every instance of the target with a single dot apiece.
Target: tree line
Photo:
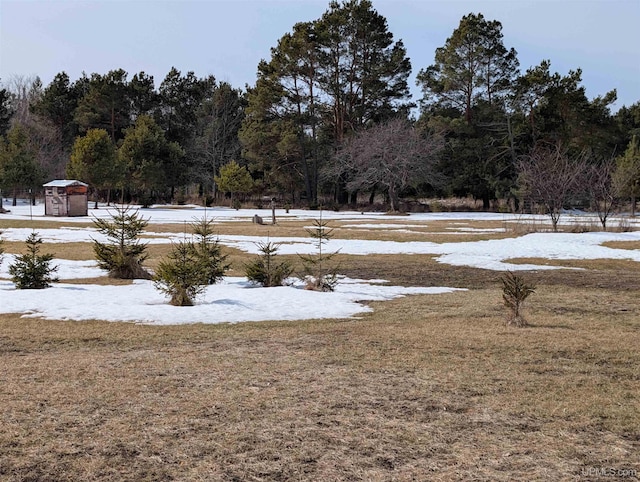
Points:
(329, 119)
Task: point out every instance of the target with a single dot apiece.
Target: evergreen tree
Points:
(218, 122)
(94, 161)
(124, 254)
(266, 270)
(144, 98)
(33, 270)
(472, 65)
(106, 104)
(19, 168)
(234, 179)
(317, 273)
(467, 95)
(362, 70)
(181, 276)
(149, 159)
(181, 98)
(325, 80)
(191, 266)
(280, 131)
(208, 251)
(626, 176)
(515, 290)
(58, 103)
(555, 108)
(6, 111)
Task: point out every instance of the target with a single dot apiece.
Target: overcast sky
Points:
(228, 38)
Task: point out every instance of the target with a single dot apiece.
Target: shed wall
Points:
(77, 205)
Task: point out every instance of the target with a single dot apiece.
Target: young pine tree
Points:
(124, 254)
(266, 270)
(191, 266)
(181, 276)
(514, 292)
(208, 252)
(33, 271)
(318, 273)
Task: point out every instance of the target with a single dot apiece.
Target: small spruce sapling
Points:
(32, 270)
(181, 276)
(191, 266)
(266, 270)
(208, 251)
(514, 292)
(317, 273)
(124, 254)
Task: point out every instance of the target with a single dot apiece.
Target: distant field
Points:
(425, 387)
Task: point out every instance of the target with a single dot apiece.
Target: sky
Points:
(236, 300)
(227, 38)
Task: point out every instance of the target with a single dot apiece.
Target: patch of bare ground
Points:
(424, 270)
(622, 244)
(424, 388)
(76, 251)
(41, 224)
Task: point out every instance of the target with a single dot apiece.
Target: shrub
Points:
(181, 276)
(33, 271)
(266, 270)
(514, 292)
(208, 251)
(123, 256)
(624, 226)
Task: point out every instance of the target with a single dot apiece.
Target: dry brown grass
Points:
(423, 388)
(622, 244)
(435, 231)
(428, 387)
(590, 264)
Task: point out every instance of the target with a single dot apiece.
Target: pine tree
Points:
(191, 266)
(626, 177)
(234, 179)
(266, 270)
(514, 292)
(181, 276)
(208, 252)
(317, 273)
(124, 255)
(33, 270)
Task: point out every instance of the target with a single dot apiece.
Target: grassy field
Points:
(427, 387)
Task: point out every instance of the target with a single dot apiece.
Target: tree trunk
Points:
(393, 199)
(486, 202)
(372, 196)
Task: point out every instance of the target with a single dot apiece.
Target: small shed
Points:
(64, 197)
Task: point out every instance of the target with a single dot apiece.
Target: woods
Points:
(329, 121)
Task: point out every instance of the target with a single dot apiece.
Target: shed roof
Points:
(64, 183)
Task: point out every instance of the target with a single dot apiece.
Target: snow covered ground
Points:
(235, 300)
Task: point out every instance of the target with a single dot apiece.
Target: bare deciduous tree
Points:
(548, 176)
(603, 192)
(44, 136)
(393, 155)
